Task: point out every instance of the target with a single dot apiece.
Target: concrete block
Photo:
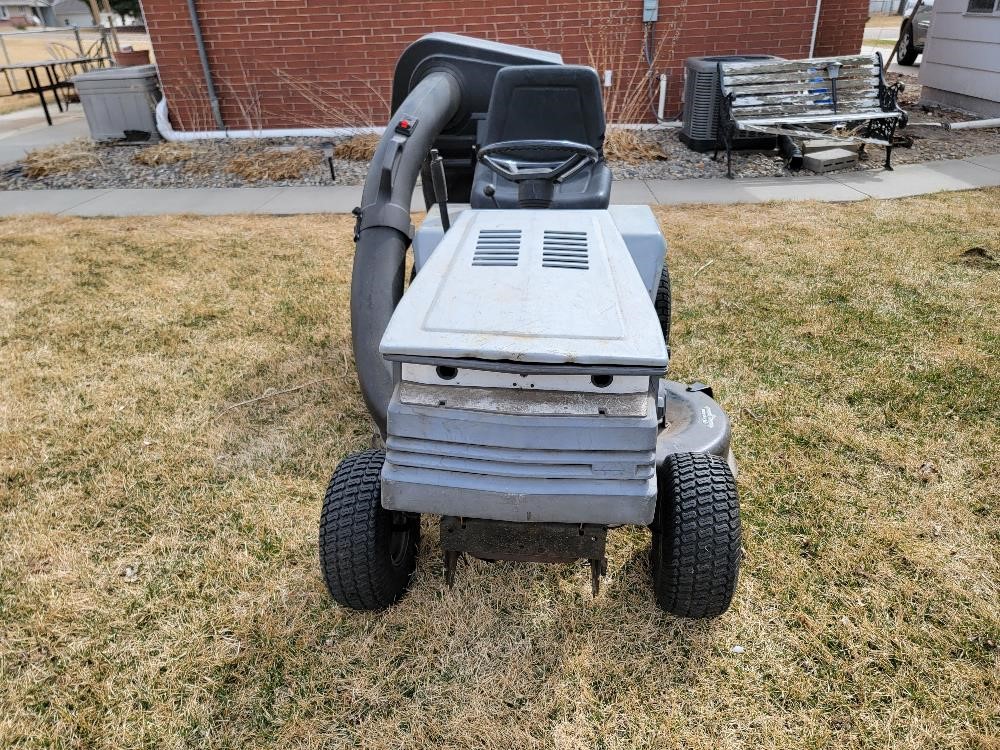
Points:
(822, 144)
(830, 160)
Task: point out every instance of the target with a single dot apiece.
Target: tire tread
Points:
(662, 303)
(696, 536)
(354, 537)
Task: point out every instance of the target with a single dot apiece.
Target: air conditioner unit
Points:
(701, 104)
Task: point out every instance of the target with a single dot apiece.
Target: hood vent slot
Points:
(564, 249)
(497, 247)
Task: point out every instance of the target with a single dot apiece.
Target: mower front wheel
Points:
(696, 550)
(368, 554)
(662, 303)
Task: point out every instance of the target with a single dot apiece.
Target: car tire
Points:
(662, 303)
(907, 54)
(367, 554)
(696, 550)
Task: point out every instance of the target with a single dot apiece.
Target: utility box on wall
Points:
(120, 103)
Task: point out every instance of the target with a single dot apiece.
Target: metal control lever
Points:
(440, 187)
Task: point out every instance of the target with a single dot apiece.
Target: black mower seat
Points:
(546, 102)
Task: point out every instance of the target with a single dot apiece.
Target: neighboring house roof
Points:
(28, 3)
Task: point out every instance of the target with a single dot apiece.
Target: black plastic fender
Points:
(693, 422)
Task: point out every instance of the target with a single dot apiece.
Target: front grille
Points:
(565, 249)
(497, 247)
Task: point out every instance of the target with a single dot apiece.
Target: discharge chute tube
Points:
(384, 230)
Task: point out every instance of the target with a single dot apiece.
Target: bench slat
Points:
(858, 84)
(783, 66)
(806, 101)
(778, 113)
(847, 113)
(795, 79)
(806, 119)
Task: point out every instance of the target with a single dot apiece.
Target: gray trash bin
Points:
(120, 103)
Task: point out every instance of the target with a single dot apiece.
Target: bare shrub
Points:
(272, 164)
(359, 148)
(164, 153)
(64, 158)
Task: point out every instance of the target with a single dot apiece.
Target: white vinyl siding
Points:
(962, 53)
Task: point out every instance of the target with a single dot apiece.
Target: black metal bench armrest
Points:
(888, 94)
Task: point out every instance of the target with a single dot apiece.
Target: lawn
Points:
(883, 43)
(892, 21)
(176, 391)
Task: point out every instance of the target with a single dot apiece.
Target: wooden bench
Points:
(840, 98)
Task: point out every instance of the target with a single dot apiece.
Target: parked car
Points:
(913, 32)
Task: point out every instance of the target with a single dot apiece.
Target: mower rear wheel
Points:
(696, 551)
(367, 553)
(662, 303)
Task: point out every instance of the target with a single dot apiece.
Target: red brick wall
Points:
(270, 58)
(841, 27)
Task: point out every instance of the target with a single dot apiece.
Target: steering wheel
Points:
(518, 169)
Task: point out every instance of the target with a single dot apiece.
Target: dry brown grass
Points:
(631, 146)
(164, 153)
(159, 585)
(358, 148)
(273, 164)
(19, 102)
(63, 158)
(892, 21)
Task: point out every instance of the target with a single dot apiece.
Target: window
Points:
(983, 6)
(3, 11)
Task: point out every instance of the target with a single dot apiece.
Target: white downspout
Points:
(167, 131)
(812, 42)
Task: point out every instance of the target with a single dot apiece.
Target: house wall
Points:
(75, 13)
(961, 62)
(296, 63)
(841, 27)
(17, 16)
(74, 19)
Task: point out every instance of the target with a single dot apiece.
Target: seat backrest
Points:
(776, 88)
(552, 102)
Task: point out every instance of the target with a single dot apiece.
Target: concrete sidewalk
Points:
(24, 130)
(911, 179)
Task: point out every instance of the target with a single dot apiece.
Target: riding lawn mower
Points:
(518, 383)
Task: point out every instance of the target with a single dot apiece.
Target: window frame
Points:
(993, 12)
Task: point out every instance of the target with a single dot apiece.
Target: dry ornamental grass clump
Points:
(358, 148)
(273, 164)
(64, 158)
(163, 154)
(631, 146)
